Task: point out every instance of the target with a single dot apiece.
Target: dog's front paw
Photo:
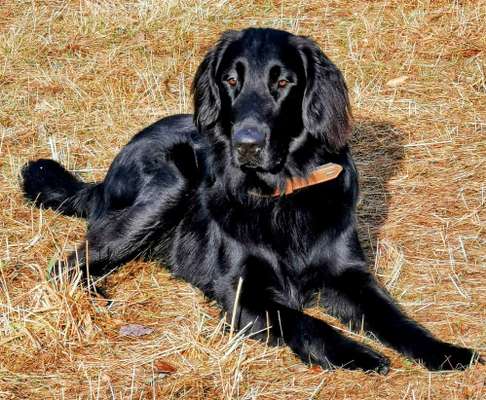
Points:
(445, 356)
(353, 355)
(362, 357)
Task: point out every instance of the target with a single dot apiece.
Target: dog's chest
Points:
(295, 227)
(298, 285)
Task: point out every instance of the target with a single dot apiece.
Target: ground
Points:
(79, 78)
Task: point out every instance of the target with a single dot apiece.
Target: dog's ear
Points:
(207, 102)
(326, 112)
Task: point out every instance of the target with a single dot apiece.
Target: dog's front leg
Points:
(312, 340)
(356, 297)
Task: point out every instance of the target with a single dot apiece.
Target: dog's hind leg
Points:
(111, 242)
(122, 235)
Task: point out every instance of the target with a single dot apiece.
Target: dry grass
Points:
(79, 78)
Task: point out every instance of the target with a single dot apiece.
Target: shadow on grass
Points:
(378, 151)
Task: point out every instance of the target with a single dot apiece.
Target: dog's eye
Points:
(232, 81)
(282, 83)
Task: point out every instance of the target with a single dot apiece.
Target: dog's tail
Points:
(48, 184)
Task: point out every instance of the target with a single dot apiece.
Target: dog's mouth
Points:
(263, 163)
(273, 169)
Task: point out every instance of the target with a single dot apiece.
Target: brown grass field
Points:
(79, 78)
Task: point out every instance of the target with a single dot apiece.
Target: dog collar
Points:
(324, 173)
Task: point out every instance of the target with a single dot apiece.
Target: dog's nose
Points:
(248, 143)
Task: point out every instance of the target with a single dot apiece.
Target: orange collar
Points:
(324, 173)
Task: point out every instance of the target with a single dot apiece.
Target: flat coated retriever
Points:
(229, 199)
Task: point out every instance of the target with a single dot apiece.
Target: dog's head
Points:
(264, 90)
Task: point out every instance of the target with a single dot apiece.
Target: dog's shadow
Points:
(378, 151)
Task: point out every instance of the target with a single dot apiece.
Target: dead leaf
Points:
(396, 81)
(135, 330)
(470, 53)
(163, 367)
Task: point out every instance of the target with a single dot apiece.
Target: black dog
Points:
(210, 197)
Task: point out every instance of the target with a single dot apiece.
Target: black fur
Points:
(181, 192)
